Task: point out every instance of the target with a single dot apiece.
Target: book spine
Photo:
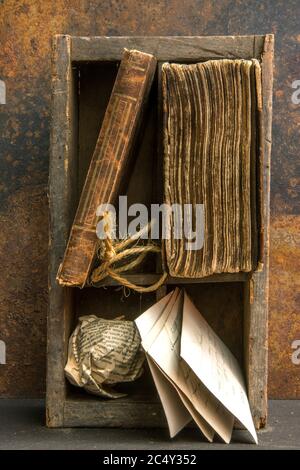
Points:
(109, 162)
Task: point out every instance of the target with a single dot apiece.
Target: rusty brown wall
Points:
(25, 37)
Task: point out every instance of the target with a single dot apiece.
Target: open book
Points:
(195, 374)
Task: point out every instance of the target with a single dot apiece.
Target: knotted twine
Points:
(110, 253)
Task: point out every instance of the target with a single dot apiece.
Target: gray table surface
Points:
(22, 426)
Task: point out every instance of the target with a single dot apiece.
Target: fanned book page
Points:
(210, 112)
(196, 376)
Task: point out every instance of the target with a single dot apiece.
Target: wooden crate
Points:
(236, 305)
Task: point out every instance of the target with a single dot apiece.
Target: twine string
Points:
(111, 252)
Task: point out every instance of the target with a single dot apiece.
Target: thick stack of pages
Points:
(210, 112)
(195, 374)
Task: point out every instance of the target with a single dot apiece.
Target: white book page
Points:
(148, 325)
(176, 413)
(148, 340)
(147, 320)
(177, 399)
(165, 351)
(214, 364)
(205, 428)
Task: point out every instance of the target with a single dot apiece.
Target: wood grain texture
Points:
(119, 413)
(257, 289)
(62, 199)
(62, 405)
(168, 48)
(145, 279)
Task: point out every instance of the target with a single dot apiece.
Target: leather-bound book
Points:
(109, 162)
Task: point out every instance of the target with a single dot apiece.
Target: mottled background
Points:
(25, 59)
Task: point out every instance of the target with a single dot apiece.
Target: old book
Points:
(210, 114)
(196, 375)
(109, 162)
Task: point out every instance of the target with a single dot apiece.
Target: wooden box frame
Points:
(68, 53)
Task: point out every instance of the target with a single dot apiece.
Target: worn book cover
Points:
(109, 162)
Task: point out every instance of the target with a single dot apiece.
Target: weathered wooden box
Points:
(236, 305)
